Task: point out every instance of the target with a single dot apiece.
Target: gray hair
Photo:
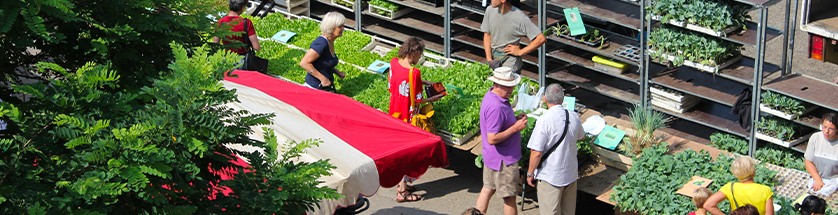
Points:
(554, 94)
(331, 21)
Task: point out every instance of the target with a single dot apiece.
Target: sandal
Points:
(409, 188)
(410, 197)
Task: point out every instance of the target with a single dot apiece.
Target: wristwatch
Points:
(529, 175)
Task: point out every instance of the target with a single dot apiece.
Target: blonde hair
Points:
(331, 21)
(700, 196)
(744, 168)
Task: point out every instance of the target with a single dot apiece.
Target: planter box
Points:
(612, 158)
(702, 67)
(393, 14)
(698, 28)
(782, 142)
(765, 109)
(456, 139)
(340, 4)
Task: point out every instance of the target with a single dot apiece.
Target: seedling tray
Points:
(456, 139)
(674, 106)
(671, 96)
(780, 142)
(338, 3)
(393, 14)
(628, 52)
(702, 67)
(431, 60)
(698, 28)
(765, 109)
(589, 43)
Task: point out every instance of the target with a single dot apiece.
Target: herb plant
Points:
(783, 103)
(779, 128)
(687, 45)
(649, 186)
(645, 121)
(713, 14)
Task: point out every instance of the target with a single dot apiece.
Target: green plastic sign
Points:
(610, 137)
(574, 21)
(451, 89)
(569, 103)
(283, 36)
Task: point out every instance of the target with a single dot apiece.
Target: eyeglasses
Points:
(828, 129)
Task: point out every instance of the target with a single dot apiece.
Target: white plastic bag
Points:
(526, 102)
(829, 186)
(593, 125)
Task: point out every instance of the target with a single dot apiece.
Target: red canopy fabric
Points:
(398, 148)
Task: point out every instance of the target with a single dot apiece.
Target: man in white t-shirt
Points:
(822, 153)
(557, 176)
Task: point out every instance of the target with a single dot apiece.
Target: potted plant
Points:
(715, 18)
(783, 106)
(683, 47)
(779, 131)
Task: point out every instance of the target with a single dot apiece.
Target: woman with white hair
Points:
(744, 192)
(320, 59)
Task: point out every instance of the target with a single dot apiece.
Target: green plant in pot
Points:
(645, 121)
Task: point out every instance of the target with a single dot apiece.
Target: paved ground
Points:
(801, 62)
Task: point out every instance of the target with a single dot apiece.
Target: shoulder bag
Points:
(564, 134)
(421, 116)
(251, 61)
(733, 196)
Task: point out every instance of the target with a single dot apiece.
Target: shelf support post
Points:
(644, 60)
(792, 22)
(358, 9)
(542, 51)
(757, 83)
(784, 63)
(447, 26)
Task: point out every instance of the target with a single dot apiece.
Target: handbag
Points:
(251, 61)
(421, 116)
(564, 134)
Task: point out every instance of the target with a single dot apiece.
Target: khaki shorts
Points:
(505, 182)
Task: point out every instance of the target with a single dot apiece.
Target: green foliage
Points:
(783, 103)
(132, 37)
(688, 45)
(713, 14)
(385, 4)
(649, 186)
(646, 121)
(525, 140)
(779, 156)
(779, 128)
(81, 145)
(729, 142)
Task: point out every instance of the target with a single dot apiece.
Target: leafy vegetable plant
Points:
(716, 15)
(385, 4)
(783, 103)
(729, 142)
(774, 154)
(649, 186)
(779, 128)
(687, 45)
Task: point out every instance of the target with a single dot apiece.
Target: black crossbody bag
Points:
(251, 61)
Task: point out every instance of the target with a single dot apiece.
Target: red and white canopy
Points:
(368, 147)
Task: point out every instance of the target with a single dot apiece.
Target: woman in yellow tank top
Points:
(743, 192)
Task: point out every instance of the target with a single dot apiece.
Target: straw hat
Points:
(503, 76)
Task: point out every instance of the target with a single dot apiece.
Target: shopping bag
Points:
(422, 119)
(255, 63)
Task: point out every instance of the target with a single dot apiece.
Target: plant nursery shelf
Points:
(319, 12)
(747, 37)
(701, 84)
(597, 82)
(741, 71)
(415, 4)
(801, 147)
(618, 12)
(613, 43)
(629, 75)
(712, 115)
(474, 20)
(386, 29)
(472, 55)
(419, 21)
(470, 38)
(329, 3)
(476, 8)
(807, 89)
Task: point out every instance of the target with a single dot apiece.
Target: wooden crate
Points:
(612, 158)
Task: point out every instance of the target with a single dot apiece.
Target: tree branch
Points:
(18, 154)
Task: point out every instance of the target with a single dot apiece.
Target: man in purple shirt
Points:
(501, 133)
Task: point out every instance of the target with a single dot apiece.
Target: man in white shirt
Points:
(557, 175)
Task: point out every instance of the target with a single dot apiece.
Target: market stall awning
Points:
(368, 147)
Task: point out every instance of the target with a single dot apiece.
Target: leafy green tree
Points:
(132, 36)
(80, 147)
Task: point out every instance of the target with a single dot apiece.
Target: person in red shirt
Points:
(399, 87)
(236, 24)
